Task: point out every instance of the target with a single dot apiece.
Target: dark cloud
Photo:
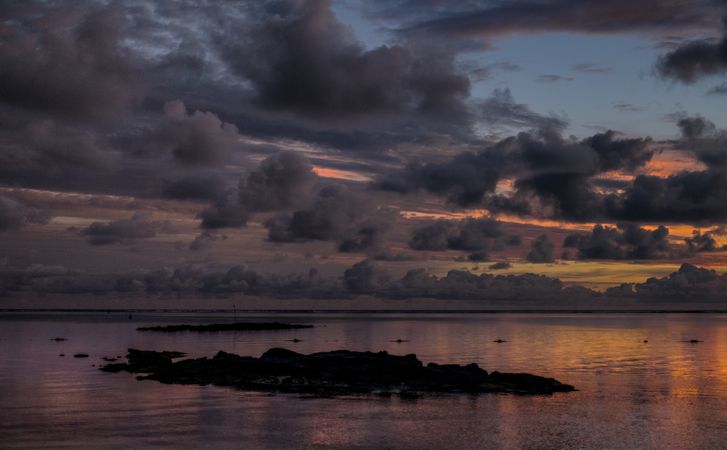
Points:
(552, 173)
(195, 187)
(15, 215)
(364, 277)
(689, 282)
(305, 60)
(350, 217)
(281, 181)
(471, 235)
(490, 19)
(687, 197)
(225, 212)
(68, 59)
(705, 242)
(708, 143)
(139, 226)
(627, 241)
(192, 138)
(694, 60)
(541, 251)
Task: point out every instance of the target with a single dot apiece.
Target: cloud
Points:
(204, 240)
(192, 138)
(627, 241)
(549, 169)
(720, 89)
(590, 68)
(501, 265)
(281, 181)
(195, 187)
(501, 110)
(124, 230)
(493, 19)
(477, 236)
(551, 78)
(225, 212)
(364, 276)
(689, 282)
(350, 217)
(693, 60)
(541, 251)
(64, 58)
(15, 215)
(306, 61)
(705, 242)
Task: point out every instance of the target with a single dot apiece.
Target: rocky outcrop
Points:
(331, 373)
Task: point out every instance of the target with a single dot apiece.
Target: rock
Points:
(81, 355)
(399, 341)
(59, 339)
(331, 373)
(237, 326)
(499, 341)
(694, 341)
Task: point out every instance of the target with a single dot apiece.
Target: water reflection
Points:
(666, 393)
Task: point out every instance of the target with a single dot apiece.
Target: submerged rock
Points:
(237, 326)
(331, 373)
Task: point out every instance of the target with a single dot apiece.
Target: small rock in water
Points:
(499, 341)
(59, 339)
(399, 341)
(62, 354)
(81, 355)
(646, 341)
(694, 341)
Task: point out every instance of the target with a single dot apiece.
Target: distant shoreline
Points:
(365, 311)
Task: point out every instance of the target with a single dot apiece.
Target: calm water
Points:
(662, 394)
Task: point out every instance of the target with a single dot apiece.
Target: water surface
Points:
(665, 393)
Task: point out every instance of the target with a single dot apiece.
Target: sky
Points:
(392, 148)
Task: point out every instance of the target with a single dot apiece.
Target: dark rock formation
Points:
(81, 355)
(237, 326)
(331, 373)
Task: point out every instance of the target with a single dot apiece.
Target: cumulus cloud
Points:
(139, 226)
(351, 218)
(477, 236)
(705, 242)
(541, 251)
(305, 60)
(225, 212)
(627, 241)
(364, 276)
(548, 168)
(689, 282)
(281, 181)
(192, 138)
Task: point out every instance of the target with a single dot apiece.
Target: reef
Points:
(339, 372)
